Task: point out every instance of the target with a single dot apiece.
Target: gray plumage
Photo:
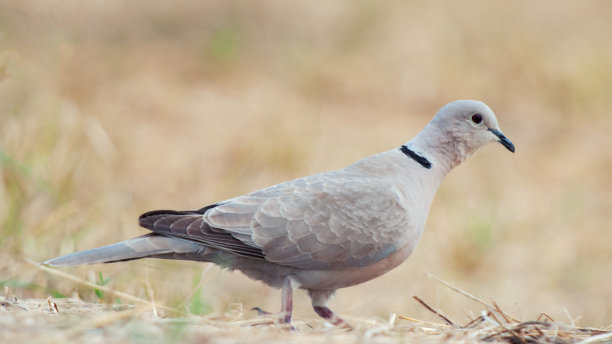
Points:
(322, 232)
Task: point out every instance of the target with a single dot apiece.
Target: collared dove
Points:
(322, 232)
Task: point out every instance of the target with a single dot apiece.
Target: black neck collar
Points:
(414, 156)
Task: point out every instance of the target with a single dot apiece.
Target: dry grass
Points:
(61, 320)
(54, 321)
(110, 109)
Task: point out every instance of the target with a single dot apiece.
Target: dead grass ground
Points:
(66, 320)
(109, 109)
(36, 321)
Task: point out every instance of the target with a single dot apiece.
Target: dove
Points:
(322, 232)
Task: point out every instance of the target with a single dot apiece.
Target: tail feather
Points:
(149, 245)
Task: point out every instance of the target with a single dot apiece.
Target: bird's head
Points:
(457, 131)
(468, 125)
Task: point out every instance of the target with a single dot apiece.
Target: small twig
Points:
(422, 321)
(410, 319)
(52, 305)
(492, 315)
(474, 322)
(516, 336)
(592, 330)
(103, 288)
(600, 338)
(539, 331)
(470, 296)
(151, 295)
(544, 315)
(509, 321)
(570, 317)
(447, 320)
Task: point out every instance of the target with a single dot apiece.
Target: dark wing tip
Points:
(147, 220)
(190, 225)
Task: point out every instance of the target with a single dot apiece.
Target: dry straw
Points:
(54, 321)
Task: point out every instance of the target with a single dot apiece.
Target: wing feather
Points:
(191, 226)
(319, 222)
(329, 220)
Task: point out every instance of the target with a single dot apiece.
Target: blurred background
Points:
(109, 109)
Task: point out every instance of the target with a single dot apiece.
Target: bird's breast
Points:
(335, 279)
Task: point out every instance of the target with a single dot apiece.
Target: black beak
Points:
(502, 139)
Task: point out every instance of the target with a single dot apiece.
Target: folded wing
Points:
(325, 221)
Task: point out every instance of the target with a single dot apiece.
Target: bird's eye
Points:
(477, 118)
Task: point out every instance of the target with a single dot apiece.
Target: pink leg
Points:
(286, 304)
(319, 304)
(333, 318)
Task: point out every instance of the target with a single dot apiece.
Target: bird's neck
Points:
(444, 151)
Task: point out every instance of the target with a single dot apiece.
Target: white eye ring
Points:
(477, 119)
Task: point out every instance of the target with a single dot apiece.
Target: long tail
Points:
(150, 245)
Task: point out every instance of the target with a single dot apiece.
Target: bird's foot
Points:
(261, 312)
(284, 318)
(329, 315)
